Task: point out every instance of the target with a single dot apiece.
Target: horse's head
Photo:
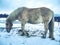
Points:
(8, 26)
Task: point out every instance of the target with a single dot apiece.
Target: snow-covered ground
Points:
(13, 38)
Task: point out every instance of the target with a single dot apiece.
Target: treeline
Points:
(3, 15)
(56, 18)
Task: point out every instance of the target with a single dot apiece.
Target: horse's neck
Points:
(11, 18)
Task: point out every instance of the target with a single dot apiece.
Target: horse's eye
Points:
(6, 24)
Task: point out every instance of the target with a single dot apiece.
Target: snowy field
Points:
(13, 38)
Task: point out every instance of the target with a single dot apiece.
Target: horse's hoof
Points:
(19, 30)
(26, 34)
(43, 37)
(21, 33)
(52, 38)
(49, 37)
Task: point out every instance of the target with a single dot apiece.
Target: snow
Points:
(13, 38)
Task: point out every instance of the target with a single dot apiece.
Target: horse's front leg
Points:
(46, 29)
(23, 30)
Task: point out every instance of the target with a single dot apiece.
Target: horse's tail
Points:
(51, 27)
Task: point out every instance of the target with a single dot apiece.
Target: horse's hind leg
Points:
(51, 29)
(46, 29)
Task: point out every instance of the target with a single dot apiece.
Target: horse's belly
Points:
(39, 20)
(35, 20)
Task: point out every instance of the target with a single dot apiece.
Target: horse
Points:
(33, 16)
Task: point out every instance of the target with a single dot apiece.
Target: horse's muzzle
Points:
(8, 30)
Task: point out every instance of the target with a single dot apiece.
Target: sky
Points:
(7, 6)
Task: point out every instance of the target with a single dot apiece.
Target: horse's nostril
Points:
(8, 31)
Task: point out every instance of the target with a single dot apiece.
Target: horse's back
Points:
(43, 11)
(40, 14)
(31, 14)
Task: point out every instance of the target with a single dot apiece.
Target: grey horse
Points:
(33, 16)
